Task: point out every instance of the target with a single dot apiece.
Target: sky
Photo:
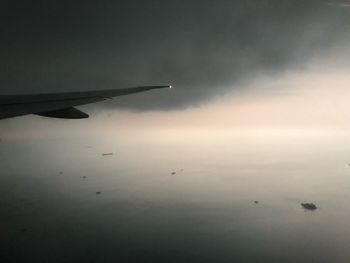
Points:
(204, 50)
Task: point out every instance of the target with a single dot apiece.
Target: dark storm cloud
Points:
(201, 47)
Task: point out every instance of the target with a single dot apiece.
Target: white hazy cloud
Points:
(314, 100)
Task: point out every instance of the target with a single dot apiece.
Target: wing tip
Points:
(159, 87)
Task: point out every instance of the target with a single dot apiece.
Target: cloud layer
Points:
(202, 48)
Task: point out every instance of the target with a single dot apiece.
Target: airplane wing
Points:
(60, 105)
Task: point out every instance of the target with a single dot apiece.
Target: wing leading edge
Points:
(60, 105)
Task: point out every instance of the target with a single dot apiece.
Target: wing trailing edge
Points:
(68, 113)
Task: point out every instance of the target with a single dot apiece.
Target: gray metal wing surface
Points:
(60, 105)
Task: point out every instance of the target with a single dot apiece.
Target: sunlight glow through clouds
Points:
(306, 101)
(296, 101)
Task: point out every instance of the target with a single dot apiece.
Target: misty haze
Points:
(246, 159)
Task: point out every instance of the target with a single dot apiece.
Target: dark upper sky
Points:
(201, 47)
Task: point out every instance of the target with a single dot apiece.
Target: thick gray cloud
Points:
(201, 47)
